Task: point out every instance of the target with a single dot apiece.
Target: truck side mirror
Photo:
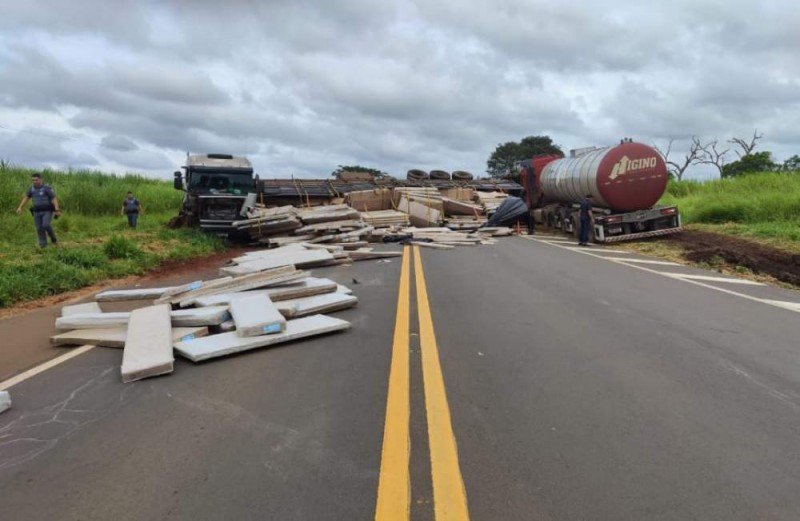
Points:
(177, 182)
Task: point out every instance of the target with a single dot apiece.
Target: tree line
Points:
(712, 153)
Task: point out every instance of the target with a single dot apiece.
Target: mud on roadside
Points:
(713, 248)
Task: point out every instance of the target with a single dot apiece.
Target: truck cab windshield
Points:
(220, 182)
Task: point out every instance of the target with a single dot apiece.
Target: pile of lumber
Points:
(266, 222)
(385, 219)
(374, 215)
(214, 318)
(490, 200)
(464, 223)
(286, 225)
(369, 200)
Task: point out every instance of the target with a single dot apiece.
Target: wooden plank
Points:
(455, 207)
(229, 343)
(433, 245)
(115, 337)
(371, 255)
(370, 200)
(346, 225)
(256, 315)
(459, 193)
(148, 346)
(282, 241)
(326, 303)
(328, 213)
(80, 309)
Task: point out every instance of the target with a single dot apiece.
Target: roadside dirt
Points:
(28, 327)
(712, 248)
(172, 270)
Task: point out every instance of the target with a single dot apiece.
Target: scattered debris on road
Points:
(5, 401)
(264, 297)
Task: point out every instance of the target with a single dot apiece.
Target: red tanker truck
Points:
(626, 181)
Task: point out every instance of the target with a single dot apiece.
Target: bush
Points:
(82, 257)
(119, 247)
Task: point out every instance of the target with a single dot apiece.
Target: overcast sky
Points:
(303, 86)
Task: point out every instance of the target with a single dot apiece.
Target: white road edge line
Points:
(14, 380)
(791, 306)
(714, 279)
(643, 261)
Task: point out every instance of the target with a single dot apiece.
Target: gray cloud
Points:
(301, 87)
(38, 148)
(120, 143)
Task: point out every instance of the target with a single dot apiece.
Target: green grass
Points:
(762, 205)
(91, 193)
(95, 242)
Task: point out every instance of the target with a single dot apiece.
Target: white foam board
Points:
(229, 343)
(329, 302)
(247, 282)
(116, 336)
(289, 258)
(79, 309)
(132, 294)
(148, 347)
(256, 315)
(307, 287)
(5, 401)
(207, 316)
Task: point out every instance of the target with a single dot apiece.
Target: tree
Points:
(501, 162)
(746, 146)
(750, 163)
(693, 156)
(792, 164)
(712, 156)
(357, 168)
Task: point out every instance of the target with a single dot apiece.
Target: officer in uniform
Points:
(131, 208)
(45, 206)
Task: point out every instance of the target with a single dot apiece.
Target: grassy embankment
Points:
(95, 240)
(761, 206)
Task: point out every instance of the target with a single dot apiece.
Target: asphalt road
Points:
(541, 382)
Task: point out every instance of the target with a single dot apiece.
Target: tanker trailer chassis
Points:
(614, 227)
(653, 222)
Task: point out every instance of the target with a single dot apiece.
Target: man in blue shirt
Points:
(131, 208)
(45, 205)
(586, 218)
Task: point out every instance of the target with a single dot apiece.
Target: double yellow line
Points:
(394, 485)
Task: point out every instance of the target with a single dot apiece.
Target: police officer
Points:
(131, 207)
(45, 205)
